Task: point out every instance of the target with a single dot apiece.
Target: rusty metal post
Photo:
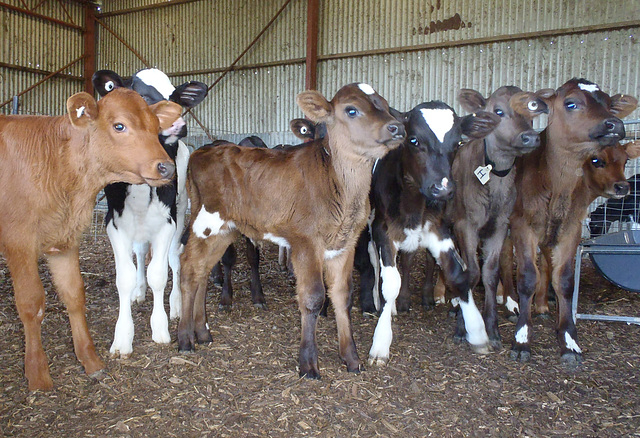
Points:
(311, 73)
(89, 46)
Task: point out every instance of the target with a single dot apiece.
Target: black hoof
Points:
(457, 339)
(571, 358)
(403, 306)
(513, 318)
(225, 307)
(452, 313)
(520, 355)
(311, 374)
(262, 306)
(496, 344)
(357, 369)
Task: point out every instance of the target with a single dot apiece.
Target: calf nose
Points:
(166, 170)
(396, 129)
(614, 126)
(530, 139)
(621, 188)
(442, 189)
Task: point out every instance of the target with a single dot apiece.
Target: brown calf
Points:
(603, 176)
(484, 173)
(582, 121)
(51, 170)
(312, 198)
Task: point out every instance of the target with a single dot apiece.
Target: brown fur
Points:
(51, 171)
(545, 212)
(314, 196)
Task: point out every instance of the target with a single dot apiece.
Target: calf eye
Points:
(597, 162)
(119, 127)
(571, 105)
(351, 111)
(413, 141)
(499, 112)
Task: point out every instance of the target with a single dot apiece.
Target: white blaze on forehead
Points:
(589, 87)
(440, 120)
(158, 80)
(367, 89)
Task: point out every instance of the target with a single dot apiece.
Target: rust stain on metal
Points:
(452, 23)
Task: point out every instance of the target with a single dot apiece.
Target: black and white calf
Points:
(140, 216)
(409, 189)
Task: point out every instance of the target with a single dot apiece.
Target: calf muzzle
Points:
(166, 170)
(608, 132)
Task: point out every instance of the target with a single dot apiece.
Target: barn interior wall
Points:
(410, 50)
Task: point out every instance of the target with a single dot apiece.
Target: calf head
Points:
(124, 135)
(514, 135)
(154, 86)
(604, 172)
(584, 119)
(434, 133)
(357, 119)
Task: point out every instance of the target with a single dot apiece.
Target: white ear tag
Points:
(483, 173)
(79, 112)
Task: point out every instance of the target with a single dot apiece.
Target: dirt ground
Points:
(246, 383)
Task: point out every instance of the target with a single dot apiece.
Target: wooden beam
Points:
(89, 47)
(40, 16)
(311, 73)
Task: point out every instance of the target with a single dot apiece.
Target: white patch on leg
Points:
(332, 253)
(512, 306)
(440, 120)
(473, 322)
(571, 343)
(499, 299)
(280, 241)
(522, 336)
(209, 221)
(383, 333)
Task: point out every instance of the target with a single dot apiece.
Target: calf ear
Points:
(400, 117)
(471, 100)
(105, 81)
(622, 105)
(82, 109)
(314, 106)
(189, 94)
(167, 113)
(480, 124)
(633, 149)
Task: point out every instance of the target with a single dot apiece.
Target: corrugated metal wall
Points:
(409, 50)
(32, 44)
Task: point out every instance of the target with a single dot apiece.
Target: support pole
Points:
(311, 73)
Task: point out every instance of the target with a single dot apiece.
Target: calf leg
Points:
(403, 302)
(196, 262)
(490, 276)
(525, 245)
(563, 282)
(65, 269)
(140, 249)
(229, 259)
(391, 282)
(30, 302)
(157, 274)
(428, 297)
(509, 295)
(253, 257)
(456, 278)
(366, 262)
(125, 283)
(338, 275)
(174, 262)
(541, 297)
(307, 266)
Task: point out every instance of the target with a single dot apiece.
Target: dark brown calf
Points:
(311, 198)
(51, 170)
(484, 174)
(582, 121)
(603, 176)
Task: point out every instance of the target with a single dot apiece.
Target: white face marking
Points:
(332, 253)
(445, 182)
(522, 337)
(211, 222)
(512, 306)
(158, 80)
(588, 87)
(79, 112)
(280, 241)
(571, 343)
(367, 89)
(473, 322)
(439, 120)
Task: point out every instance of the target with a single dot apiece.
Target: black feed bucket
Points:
(617, 257)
